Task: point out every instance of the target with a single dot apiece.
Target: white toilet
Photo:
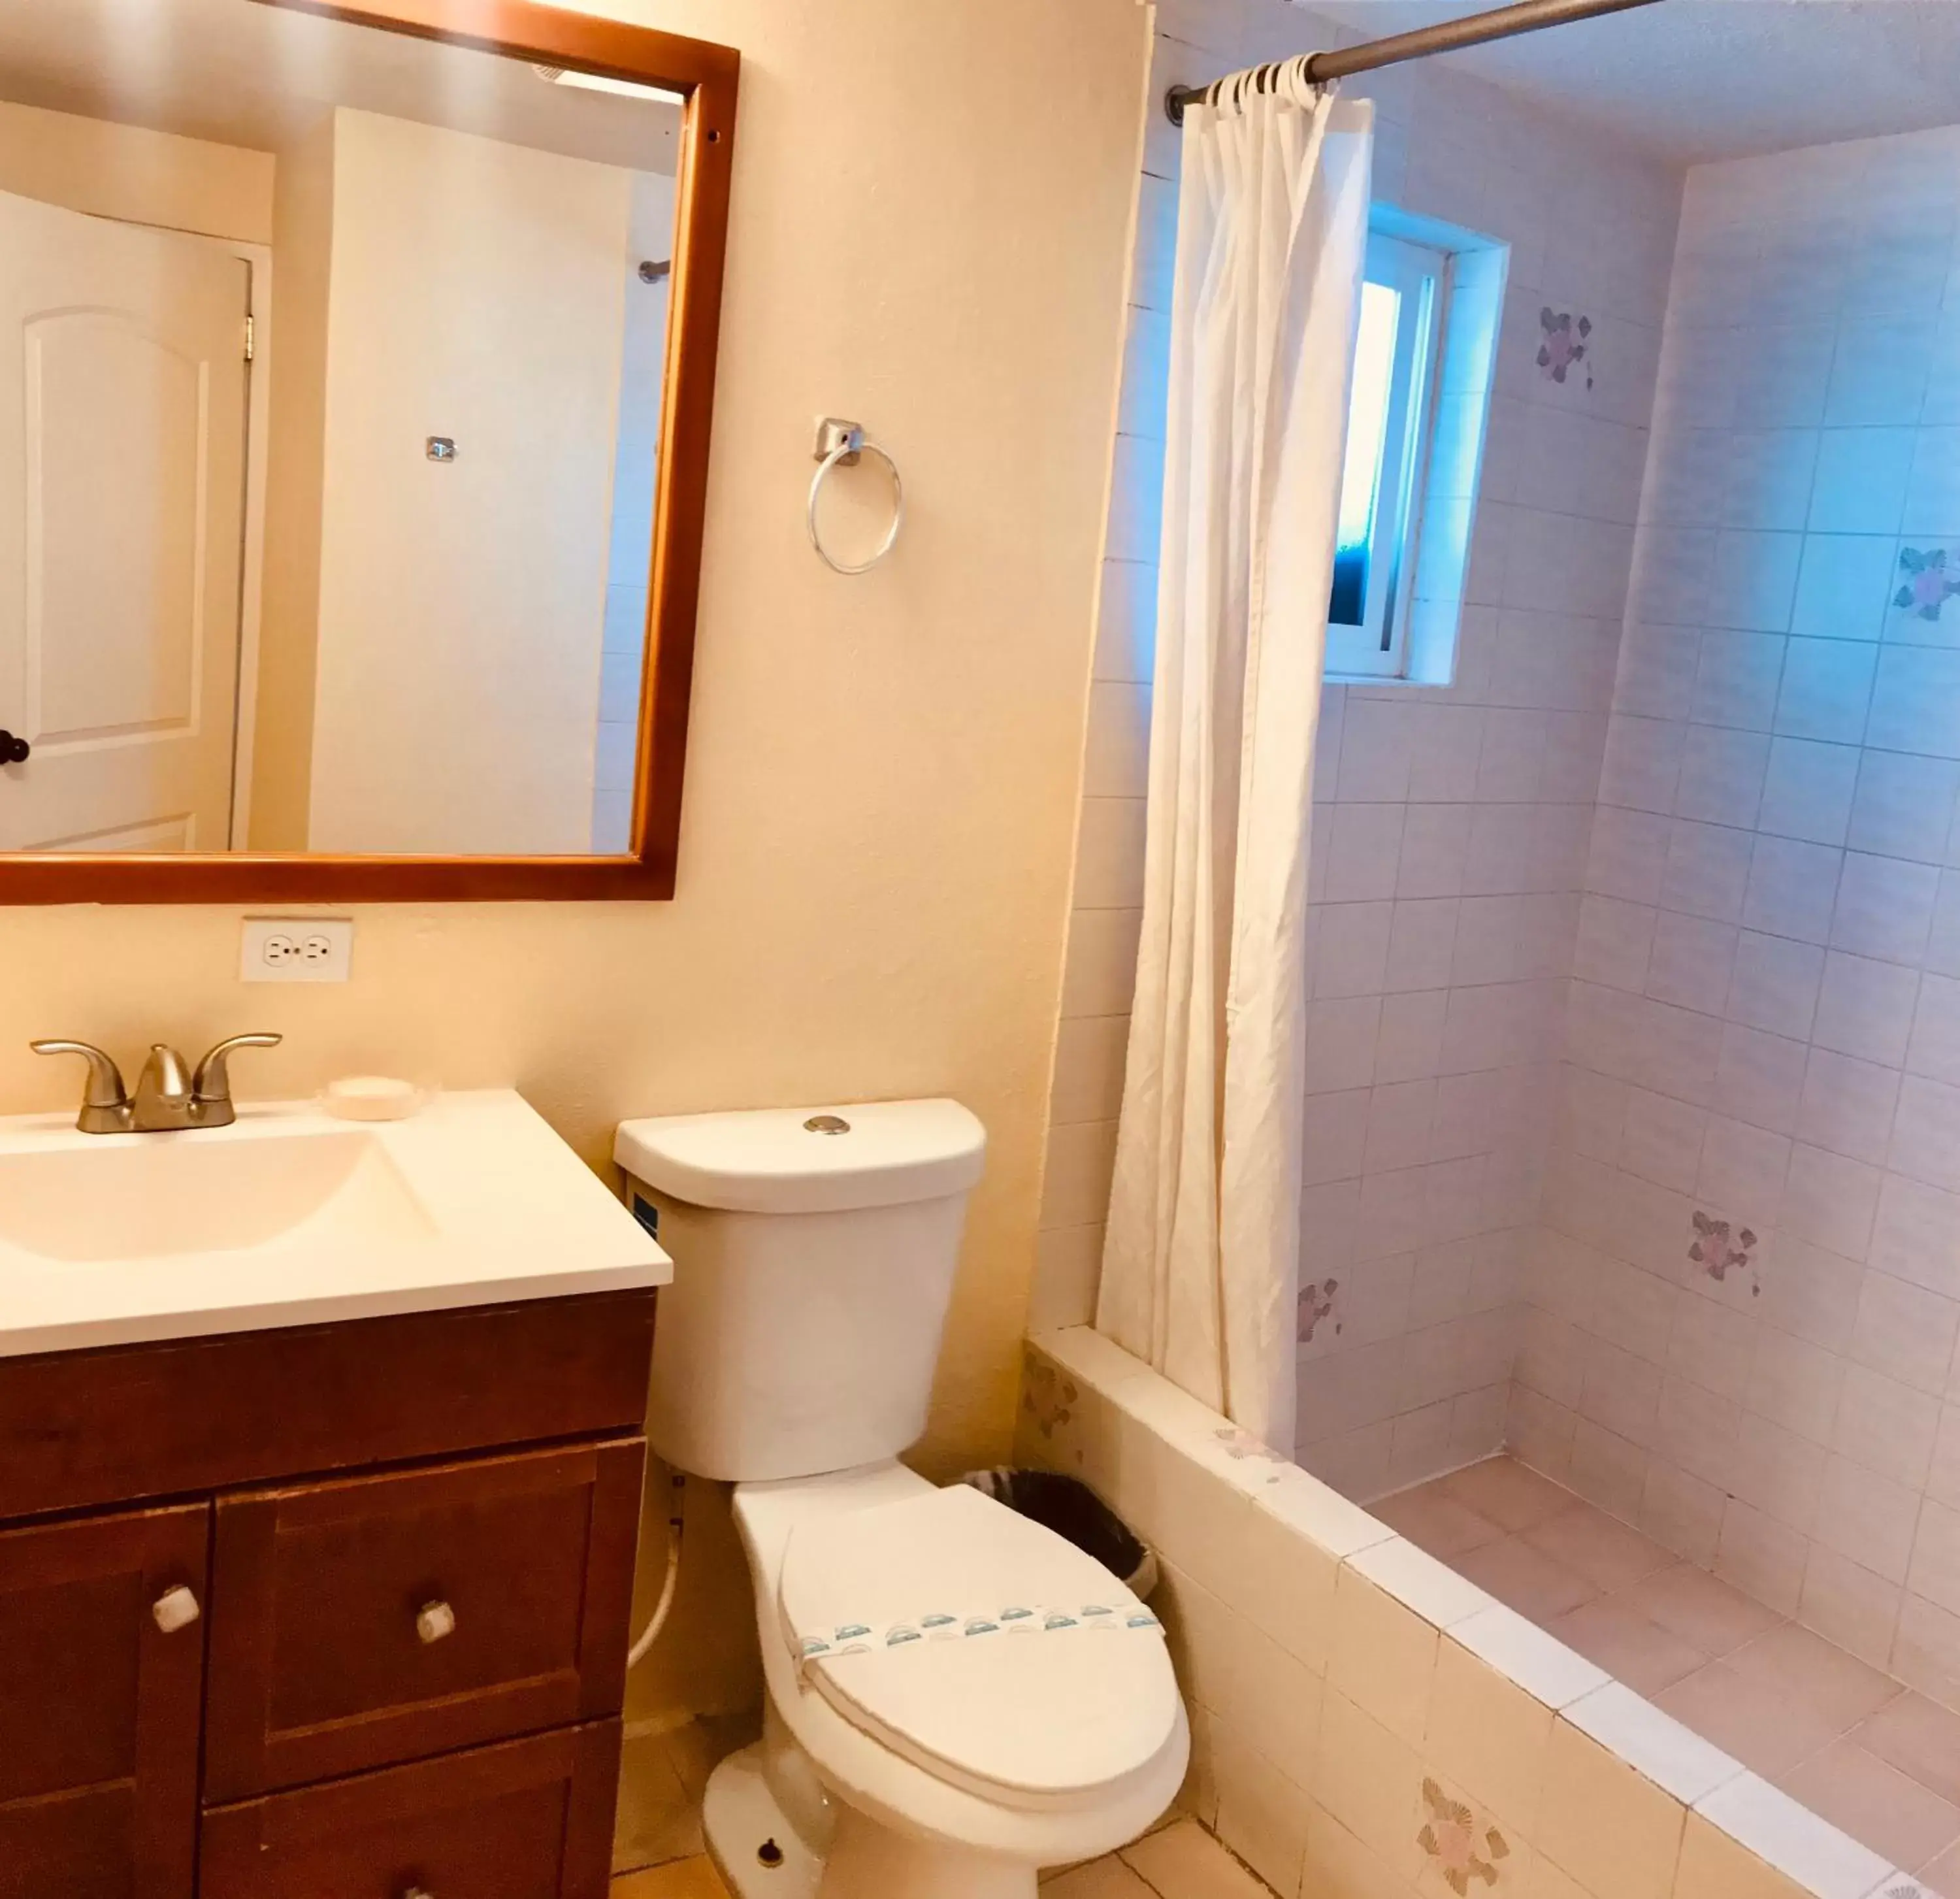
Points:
(956, 1696)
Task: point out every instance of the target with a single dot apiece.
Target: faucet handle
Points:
(105, 1087)
(212, 1082)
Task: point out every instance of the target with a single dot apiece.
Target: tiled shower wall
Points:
(1744, 1305)
(1450, 823)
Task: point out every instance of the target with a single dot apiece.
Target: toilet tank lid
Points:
(808, 1160)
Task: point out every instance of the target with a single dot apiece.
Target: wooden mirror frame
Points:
(707, 75)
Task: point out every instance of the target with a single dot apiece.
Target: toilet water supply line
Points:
(638, 1652)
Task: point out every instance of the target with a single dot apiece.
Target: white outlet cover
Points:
(297, 949)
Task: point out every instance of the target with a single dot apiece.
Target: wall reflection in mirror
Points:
(328, 431)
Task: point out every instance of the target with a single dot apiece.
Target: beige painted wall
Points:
(876, 843)
(474, 295)
(141, 177)
(302, 257)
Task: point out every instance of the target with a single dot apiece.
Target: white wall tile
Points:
(1826, 689)
(1915, 705)
(1736, 679)
(1904, 1332)
(1926, 1132)
(1865, 1008)
(1363, 852)
(1754, 581)
(1842, 586)
(1886, 1426)
(1109, 854)
(1860, 485)
(1795, 1383)
(1903, 806)
(1116, 762)
(1808, 790)
(1885, 908)
(1706, 871)
(1792, 889)
(1766, 477)
(1100, 972)
(1088, 1068)
(1776, 984)
(1918, 1235)
(1935, 1568)
(1933, 495)
(1848, 1603)
(1759, 1079)
(1830, 1201)
(1847, 1106)
(1879, 373)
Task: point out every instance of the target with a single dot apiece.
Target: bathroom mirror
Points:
(353, 428)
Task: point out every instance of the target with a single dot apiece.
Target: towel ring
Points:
(841, 444)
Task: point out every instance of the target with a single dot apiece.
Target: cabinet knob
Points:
(175, 1609)
(434, 1620)
(417, 1892)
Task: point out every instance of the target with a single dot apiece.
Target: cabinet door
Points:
(529, 1819)
(386, 1618)
(99, 1706)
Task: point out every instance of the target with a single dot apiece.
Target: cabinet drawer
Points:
(529, 1819)
(382, 1619)
(99, 1707)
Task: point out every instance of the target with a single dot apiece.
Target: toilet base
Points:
(741, 1822)
(869, 1861)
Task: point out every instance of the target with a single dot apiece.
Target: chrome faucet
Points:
(167, 1095)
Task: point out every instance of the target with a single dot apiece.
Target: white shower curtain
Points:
(1201, 1261)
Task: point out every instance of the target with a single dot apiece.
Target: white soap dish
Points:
(373, 1098)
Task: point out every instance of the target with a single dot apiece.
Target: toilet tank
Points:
(814, 1251)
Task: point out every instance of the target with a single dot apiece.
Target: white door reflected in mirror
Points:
(329, 439)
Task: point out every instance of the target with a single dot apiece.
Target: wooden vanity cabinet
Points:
(99, 1705)
(410, 1543)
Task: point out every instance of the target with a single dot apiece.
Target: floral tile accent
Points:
(1316, 1308)
(1565, 346)
(1048, 1396)
(1927, 583)
(1719, 1249)
(1236, 1443)
(1463, 1848)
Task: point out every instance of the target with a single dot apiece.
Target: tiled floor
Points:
(1178, 1861)
(694, 1877)
(1870, 1756)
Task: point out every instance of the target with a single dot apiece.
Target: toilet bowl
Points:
(956, 1696)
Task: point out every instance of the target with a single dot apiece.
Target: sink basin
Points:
(290, 1218)
(121, 1200)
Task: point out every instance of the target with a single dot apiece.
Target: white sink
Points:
(118, 1200)
(291, 1218)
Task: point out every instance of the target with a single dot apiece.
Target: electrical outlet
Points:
(297, 949)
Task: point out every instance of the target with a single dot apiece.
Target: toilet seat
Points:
(980, 1646)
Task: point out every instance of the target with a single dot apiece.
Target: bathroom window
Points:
(1390, 405)
(1425, 350)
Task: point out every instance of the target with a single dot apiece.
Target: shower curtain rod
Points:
(1528, 16)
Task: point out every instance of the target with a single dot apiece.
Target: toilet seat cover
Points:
(979, 1644)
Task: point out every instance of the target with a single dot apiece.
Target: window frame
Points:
(1423, 275)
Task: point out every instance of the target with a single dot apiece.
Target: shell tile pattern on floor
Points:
(1867, 1754)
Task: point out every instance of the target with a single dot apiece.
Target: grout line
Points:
(1123, 1853)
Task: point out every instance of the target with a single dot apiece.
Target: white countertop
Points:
(474, 1201)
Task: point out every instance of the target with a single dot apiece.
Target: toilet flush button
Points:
(827, 1124)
